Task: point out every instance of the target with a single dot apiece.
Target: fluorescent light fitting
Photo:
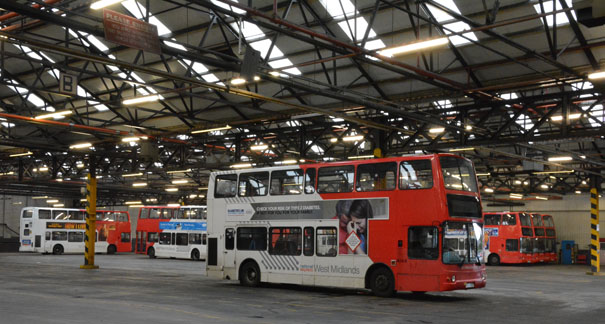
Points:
(596, 75)
(136, 206)
(103, 3)
(55, 114)
(515, 196)
(488, 190)
(40, 197)
(80, 146)
(462, 149)
(131, 139)
(483, 174)
(52, 201)
(138, 100)
(333, 140)
(352, 138)
(226, 127)
(554, 172)
(468, 127)
(274, 73)
(578, 192)
(238, 81)
(58, 205)
(192, 196)
(7, 173)
(241, 165)
(256, 78)
(414, 47)
(286, 162)
(83, 200)
(21, 154)
(181, 181)
(132, 174)
(560, 158)
(178, 171)
(260, 147)
(544, 186)
(137, 202)
(139, 184)
(172, 189)
(43, 169)
(359, 157)
(570, 116)
(173, 205)
(541, 198)
(436, 130)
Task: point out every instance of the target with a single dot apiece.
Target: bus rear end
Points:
(539, 251)
(505, 239)
(551, 238)
(27, 237)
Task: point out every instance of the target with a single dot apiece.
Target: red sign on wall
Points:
(131, 32)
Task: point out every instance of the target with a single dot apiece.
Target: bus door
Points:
(141, 242)
(48, 244)
(420, 271)
(229, 251)
(308, 257)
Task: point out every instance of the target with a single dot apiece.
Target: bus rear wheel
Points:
(249, 275)
(151, 253)
(111, 249)
(58, 249)
(195, 255)
(382, 283)
(493, 260)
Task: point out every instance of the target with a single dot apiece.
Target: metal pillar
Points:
(595, 267)
(91, 220)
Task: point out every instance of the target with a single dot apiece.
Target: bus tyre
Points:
(382, 282)
(58, 249)
(111, 249)
(195, 255)
(493, 260)
(249, 274)
(151, 253)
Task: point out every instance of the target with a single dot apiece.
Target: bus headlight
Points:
(453, 278)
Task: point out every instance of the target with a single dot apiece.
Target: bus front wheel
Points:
(493, 259)
(250, 274)
(58, 249)
(195, 255)
(111, 249)
(382, 282)
(151, 253)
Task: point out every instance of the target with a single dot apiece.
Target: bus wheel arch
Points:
(195, 255)
(493, 259)
(380, 279)
(249, 273)
(151, 252)
(58, 249)
(112, 249)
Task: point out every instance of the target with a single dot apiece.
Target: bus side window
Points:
(165, 238)
(195, 238)
(512, 245)
(310, 181)
(229, 239)
(154, 213)
(285, 241)
(376, 176)
(144, 213)
(423, 243)
(173, 238)
(253, 184)
(125, 237)
(326, 241)
(252, 238)
(509, 219)
(225, 186)
(152, 237)
(308, 238)
(44, 214)
(59, 236)
(27, 213)
(492, 219)
(75, 237)
(181, 239)
(47, 236)
(286, 182)
(416, 174)
(336, 179)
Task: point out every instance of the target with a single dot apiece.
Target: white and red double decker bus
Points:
(392, 224)
(61, 230)
(509, 237)
(172, 232)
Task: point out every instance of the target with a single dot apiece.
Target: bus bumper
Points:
(456, 280)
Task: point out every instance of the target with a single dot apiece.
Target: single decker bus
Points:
(172, 232)
(509, 237)
(61, 230)
(392, 224)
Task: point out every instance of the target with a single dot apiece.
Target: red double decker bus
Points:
(509, 237)
(551, 239)
(392, 224)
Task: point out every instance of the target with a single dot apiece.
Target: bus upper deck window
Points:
(376, 176)
(310, 181)
(225, 186)
(44, 214)
(492, 219)
(415, 174)
(253, 184)
(286, 182)
(509, 219)
(335, 179)
(27, 213)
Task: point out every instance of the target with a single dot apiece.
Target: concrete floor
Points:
(134, 289)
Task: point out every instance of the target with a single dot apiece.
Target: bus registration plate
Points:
(469, 285)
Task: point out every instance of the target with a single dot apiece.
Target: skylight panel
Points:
(249, 30)
(549, 7)
(598, 114)
(458, 26)
(445, 104)
(140, 12)
(263, 47)
(228, 7)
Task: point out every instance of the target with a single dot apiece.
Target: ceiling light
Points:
(7, 173)
(43, 169)
(483, 174)
(583, 156)
(52, 201)
(241, 165)
(333, 140)
(560, 158)
(596, 75)
(583, 182)
(468, 127)
(179, 181)
(260, 147)
(58, 205)
(173, 205)
(274, 73)
(553, 172)
(137, 100)
(103, 3)
(172, 189)
(202, 188)
(515, 196)
(358, 157)
(133, 202)
(525, 183)
(80, 165)
(151, 199)
(21, 154)
(488, 190)
(517, 182)
(256, 78)
(55, 114)
(462, 149)
(238, 81)
(178, 171)
(578, 192)
(285, 162)
(226, 127)
(413, 47)
(139, 184)
(131, 139)
(59, 180)
(541, 198)
(192, 196)
(132, 174)
(83, 200)
(135, 206)
(80, 145)
(40, 197)
(570, 116)
(352, 138)
(544, 186)
(436, 130)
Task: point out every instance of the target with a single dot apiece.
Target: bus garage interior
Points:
(140, 106)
